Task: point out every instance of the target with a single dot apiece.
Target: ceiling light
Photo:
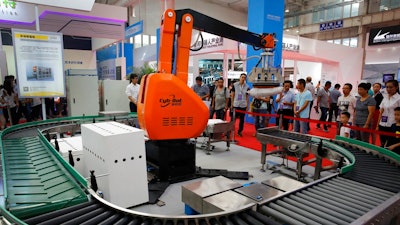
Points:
(287, 10)
(297, 31)
(287, 30)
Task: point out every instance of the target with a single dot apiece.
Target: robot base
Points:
(174, 160)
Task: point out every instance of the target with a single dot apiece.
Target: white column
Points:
(37, 22)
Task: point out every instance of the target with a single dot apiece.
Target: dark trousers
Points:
(361, 135)
(384, 138)
(36, 112)
(132, 107)
(309, 114)
(324, 115)
(333, 110)
(220, 114)
(212, 111)
(285, 122)
(241, 118)
(14, 119)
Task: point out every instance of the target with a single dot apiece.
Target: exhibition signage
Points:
(39, 62)
(290, 47)
(211, 42)
(385, 35)
(18, 12)
(85, 5)
(134, 29)
(331, 25)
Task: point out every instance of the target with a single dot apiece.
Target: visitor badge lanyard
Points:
(240, 95)
(282, 100)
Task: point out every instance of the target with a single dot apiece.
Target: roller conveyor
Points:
(340, 199)
(94, 212)
(372, 170)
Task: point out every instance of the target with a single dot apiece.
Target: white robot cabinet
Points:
(82, 93)
(112, 95)
(116, 152)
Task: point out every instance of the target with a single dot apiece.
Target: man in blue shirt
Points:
(201, 89)
(301, 107)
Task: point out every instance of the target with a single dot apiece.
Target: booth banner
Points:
(385, 35)
(107, 69)
(39, 63)
(134, 29)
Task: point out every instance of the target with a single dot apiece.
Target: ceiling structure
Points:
(237, 5)
(74, 23)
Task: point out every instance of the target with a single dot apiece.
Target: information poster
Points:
(39, 62)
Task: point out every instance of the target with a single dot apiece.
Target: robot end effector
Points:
(264, 74)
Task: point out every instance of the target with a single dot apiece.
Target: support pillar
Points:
(265, 16)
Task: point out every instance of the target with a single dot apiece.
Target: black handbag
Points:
(257, 103)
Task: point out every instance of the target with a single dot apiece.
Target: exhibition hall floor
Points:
(237, 159)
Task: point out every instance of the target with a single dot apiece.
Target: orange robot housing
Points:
(169, 109)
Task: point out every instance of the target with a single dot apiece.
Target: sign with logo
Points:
(385, 35)
(16, 11)
(211, 42)
(290, 44)
(170, 101)
(290, 47)
(40, 63)
(331, 25)
(69, 4)
(234, 74)
(134, 29)
(107, 69)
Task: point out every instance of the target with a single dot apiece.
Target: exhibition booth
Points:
(301, 57)
(382, 59)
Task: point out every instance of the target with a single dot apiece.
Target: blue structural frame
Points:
(265, 16)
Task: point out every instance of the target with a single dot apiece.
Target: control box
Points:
(116, 152)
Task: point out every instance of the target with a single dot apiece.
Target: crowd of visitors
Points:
(353, 114)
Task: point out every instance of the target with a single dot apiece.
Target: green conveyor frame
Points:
(15, 210)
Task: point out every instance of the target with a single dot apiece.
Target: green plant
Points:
(143, 70)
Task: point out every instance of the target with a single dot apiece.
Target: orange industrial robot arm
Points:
(167, 108)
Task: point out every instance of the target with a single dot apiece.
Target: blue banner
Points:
(134, 29)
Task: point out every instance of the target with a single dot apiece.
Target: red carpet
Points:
(250, 141)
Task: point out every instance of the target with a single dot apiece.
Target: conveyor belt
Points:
(285, 135)
(372, 170)
(35, 180)
(337, 200)
(343, 199)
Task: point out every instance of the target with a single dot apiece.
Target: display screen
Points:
(387, 77)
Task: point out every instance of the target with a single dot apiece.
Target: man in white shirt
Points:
(132, 91)
(346, 103)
